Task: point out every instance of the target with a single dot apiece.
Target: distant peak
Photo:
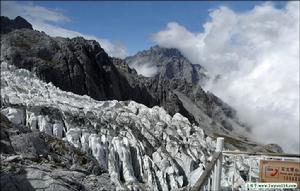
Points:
(8, 25)
(19, 18)
(158, 50)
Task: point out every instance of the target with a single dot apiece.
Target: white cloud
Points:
(32, 12)
(42, 19)
(257, 54)
(144, 68)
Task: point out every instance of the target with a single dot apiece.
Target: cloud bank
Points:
(44, 19)
(257, 55)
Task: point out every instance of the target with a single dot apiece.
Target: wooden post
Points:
(218, 171)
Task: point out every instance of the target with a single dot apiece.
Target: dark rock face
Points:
(273, 148)
(159, 89)
(178, 95)
(8, 25)
(170, 63)
(5, 143)
(77, 65)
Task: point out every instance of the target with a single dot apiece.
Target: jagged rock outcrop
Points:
(8, 25)
(169, 64)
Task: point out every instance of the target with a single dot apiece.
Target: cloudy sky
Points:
(254, 46)
(256, 52)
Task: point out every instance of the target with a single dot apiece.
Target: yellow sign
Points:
(279, 171)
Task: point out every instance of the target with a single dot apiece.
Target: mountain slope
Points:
(82, 67)
(140, 148)
(104, 145)
(180, 95)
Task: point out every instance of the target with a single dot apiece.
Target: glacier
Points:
(141, 148)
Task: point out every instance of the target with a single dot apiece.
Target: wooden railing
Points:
(210, 179)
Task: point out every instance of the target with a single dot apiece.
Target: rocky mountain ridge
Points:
(77, 65)
(82, 66)
(8, 25)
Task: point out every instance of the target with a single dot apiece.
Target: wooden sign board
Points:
(279, 171)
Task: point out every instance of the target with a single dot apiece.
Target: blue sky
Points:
(132, 23)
